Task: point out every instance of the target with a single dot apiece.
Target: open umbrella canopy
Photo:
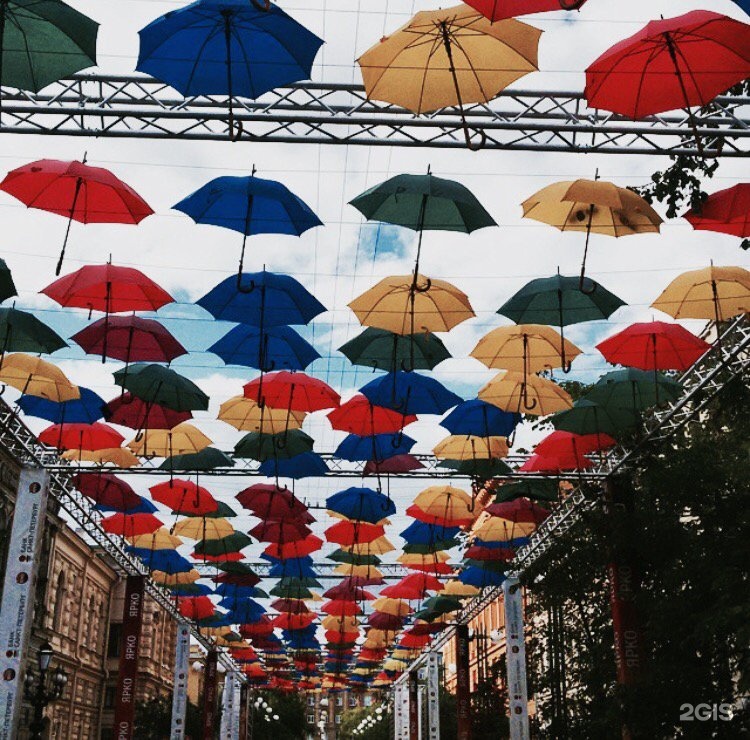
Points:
(247, 415)
(395, 464)
(130, 525)
(203, 528)
(184, 497)
(479, 469)
(119, 457)
(498, 10)
(361, 504)
(96, 436)
(195, 607)
(7, 286)
(413, 586)
(209, 458)
(726, 212)
(224, 545)
(569, 444)
(280, 532)
(476, 417)
(155, 384)
(351, 532)
(386, 350)
(36, 377)
(130, 411)
(21, 331)
(282, 446)
(161, 539)
(275, 348)
(425, 533)
(633, 389)
(446, 506)
(588, 417)
(293, 391)
(527, 394)
(295, 549)
(538, 490)
(374, 447)
(304, 465)
(358, 416)
(107, 490)
(518, 510)
(471, 447)
(410, 393)
(180, 440)
(86, 409)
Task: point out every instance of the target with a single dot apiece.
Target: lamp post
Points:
(41, 691)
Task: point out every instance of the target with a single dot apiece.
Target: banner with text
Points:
(181, 667)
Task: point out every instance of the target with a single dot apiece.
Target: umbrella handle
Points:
(424, 288)
(470, 145)
(745, 244)
(582, 283)
(241, 288)
(3, 388)
(571, 4)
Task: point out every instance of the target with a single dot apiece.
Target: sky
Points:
(339, 261)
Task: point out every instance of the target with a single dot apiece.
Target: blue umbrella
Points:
(249, 205)
(377, 447)
(227, 47)
(272, 299)
(306, 465)
(481, 577)
(190, 589)
(276, 348)
(410, 393)
(515, 543)
(217, 620)
(361, 504)
(234, 590)
(422, 533)
(744, 4)
(144, 507)
(481, 419)
(84, 410)
(292, 568)
(168, 561)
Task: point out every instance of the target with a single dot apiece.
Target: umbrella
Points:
(526, 348)
(446, 506)
(654, 346)
(293, 391)
(130, 525)
(712, 293)
(175, 579)
(305, 465)
(295, 549)
(456, 588)
(108, 491)
(73, 436)
(227, 47)
(203, 528)
(413, 586)
(376, 447)
(480, 577)
(349, 533)
(21, 331)
(184, 497)
(76, 191)
(42, 42)
(380, 546)
(539, 490)
(7, 286)
(249, 205)
(160, 539)
(280, 532)
(155, 384)
(341, 608)
(226, 545)
(528, 394)
(395, 464)
(518, 510)
(275, 348)
(385, 350)
(633, 389)
(342, 556)
(129, 411)
(120, 457)
(428, 533)
(246, 415)
(448, 57)
(479, 418)
(480, 469)
(498, 10)
(182, 439)
(86, 409)
(555, 464)
(361, 504)
(587, 417)
(269, 501)
(497, 529)
(209, 458)
(410, 393)
(726, 212)
(407, 304)
(470, 447)
(35, 377)
(358, 416)
(559, 301)
(566, 445)
(593, 207)
(257, 446)
(195, 607)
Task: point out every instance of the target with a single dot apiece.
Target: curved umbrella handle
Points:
(470, 145)
(528, 406)
(262, 5)
(3, 388)
(582, 283)
(424, 288)
(240, 287)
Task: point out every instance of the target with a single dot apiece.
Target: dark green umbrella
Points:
(281, 446)
(7, 286)
(384, 350)
(240, 569)
(352, 558)
(21, 331)
(291, 592)
(633, 389)
(536, 489)
(431, 547)
(42, 41)
(229, 544)
(297, 581)
(207, 459)
(438, 606)
(587, 417)
(478, 468)
(560, 301)
(160, 385)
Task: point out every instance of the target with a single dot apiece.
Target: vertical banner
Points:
(236, 707)
(433, 696)
(17, 608)
(132, 621)
(413, 689)
(515, 651)
(181, 668)
(210, 675)
(245, 699)
(227, 709)
(628, 640)
(463, 683)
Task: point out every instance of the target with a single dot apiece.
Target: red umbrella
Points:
(96, 436)
(76, 191)
(365, 581)
(196, 607)
(518, 510)
(280, 532)
(372, 653)
(383, 621)
(296, 549)
(131, 525)
(726, 211)
(358, 416)
(290, 606)
(341, 638)
(341, 608)
(424, 628)
(268, 501)
(569, 444)
(395, 464)
(350, 533)
(130, 411)
(293, 391)
(436, 568)
(413, 586)
(293, 621)
(257, 629)
(345, 591)
(655, 345)
(556, 464)
(184, 497)
(415, 641)
(105, 489)
(243, 654)
(496, 554)
(498, 10)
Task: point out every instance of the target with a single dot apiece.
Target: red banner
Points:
(628, 639)
(463, 683)
(132, 620)
(413, 705)
(210, 692)
(244, 700)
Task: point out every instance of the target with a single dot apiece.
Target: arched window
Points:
(59, 609)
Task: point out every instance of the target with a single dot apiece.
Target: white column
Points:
(433, 696)
(227, 707)
(515, 648)
(181, 668)
(236, 707)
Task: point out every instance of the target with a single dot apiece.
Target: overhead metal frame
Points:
(139, 107)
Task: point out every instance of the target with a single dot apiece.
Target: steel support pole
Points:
(181, 668)
(433, 696)
(463, 682)
(515, 649)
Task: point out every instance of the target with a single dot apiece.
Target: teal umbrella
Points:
(536, 489)
(224, 546)
(281, 446)
(160, 385)
(7, 286)
(207, 459)
(384, 350)
(352, 558)
(42, 41)
(588, 417)
(478, 468)
(633, 389)
(21, 331)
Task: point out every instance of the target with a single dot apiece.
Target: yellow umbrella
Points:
(395, 607)
(528, 394)
(471, 447)
(161, 539)
(447, 503)
(456, 588)
(526, 348)
(406, 305)
(175, 579)
(415, 558)
(36, 377)
(711, 293)
(120, 457)
(593, 207)
(497, 529)
(380, 546)
(395, 665)
(358, 571)
(203, 528)
(340, 624)
(183, 439)
(246, 415)
(405, 653)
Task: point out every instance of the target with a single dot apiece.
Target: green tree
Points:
(378, 729)
(153, 719)
(290, 709)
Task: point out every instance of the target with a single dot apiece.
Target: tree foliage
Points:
(290, 708)
(153, 719)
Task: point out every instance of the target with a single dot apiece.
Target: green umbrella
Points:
(560, 301)
(299, 582)
(384, 350)
(281, 446)
(437, 606)
(587, 417)
(633, 389)
(536, 489)
(231, 543)
(160, 385)
(21, 331)
(352, 558)
(291, 592)
(42, 41)
(240, 569)
(207, 459)
(432, 547)
(478, 468)
(7, 286)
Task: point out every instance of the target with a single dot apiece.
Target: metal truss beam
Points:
(136, 106)
(323, 571)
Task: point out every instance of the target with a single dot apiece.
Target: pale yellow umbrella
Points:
(497, 529)
(246, 415)
(527, 394)
(175, 579)
(119, 457)
(203, 528)
(183, 439)
(415, 558)
(340, 624)
(712, 293)
(357, 571)
(380, 546)
(447, 503)
(36, 377)
(405, 304)
(456, 588)
(592, 207)
(402, 653)
(526, 348)
(395, 607)
(161, 539)
(395, 665)
(471, 447)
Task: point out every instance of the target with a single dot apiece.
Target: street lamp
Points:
(41, 691)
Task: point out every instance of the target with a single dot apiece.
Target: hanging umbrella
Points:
(413, 586)
(195, 607)
(349, 533)
(497, 529)
(174, 579)
(445, 506)
(481, 577)
(249, 205)
(107, 490)
(539, 490)
(21, 331)
(295, 549)
(184, 497)
(407, 304)
(479, 418)
(427, 535)
(456, 588)
(555, 464)
(375, 447)
(190, 589)
(470, 447)
(76, 191)
(655, 345)
(42, 42)
(180, 440)
(480, 469)
(358, 416)
(155, 384)
(246, 415)
(293, 391)
(528, 394)
(209, 458)
(587, 417)
(380, 546)
(448, 57)
(257, 446)
(275, 348)
(341, 608)
(712, 293)
(498, 10)
(726, 212)
(130, 411)
(130, 525)
(559, 301)
(161, 539)
(518, 510)
(633, 389)
(385, 350)
(203, 528)
(269, 501)
(361, 504)
(35, 377)
(227, 47)
(560, 444)
(305, 465)
(410, 393)
(226, 545)
(280, 532)
(592, 207)
(96, 436)
(119, 457)
(395, 464)
(7, 286)
(86, 409)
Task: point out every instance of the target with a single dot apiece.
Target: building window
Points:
(310, 701)
(115, 637)
(368, 700)
(310, 719)
(339, 701)
(110, 692)
(338, 719)
(59, 602)
(352, 701)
